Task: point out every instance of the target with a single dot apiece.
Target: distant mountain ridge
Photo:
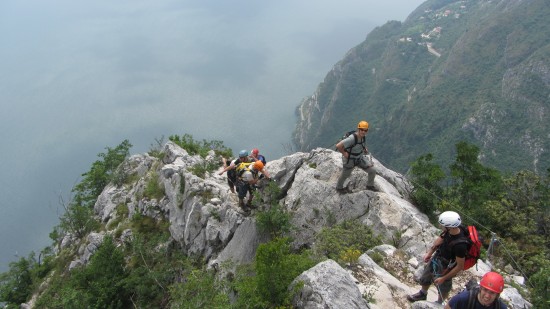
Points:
(468, 70)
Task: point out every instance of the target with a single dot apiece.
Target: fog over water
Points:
(79, 76)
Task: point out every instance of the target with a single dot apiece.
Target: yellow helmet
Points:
(363, 125)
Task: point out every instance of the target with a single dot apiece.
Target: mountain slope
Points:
(454, 70)
(197, 216)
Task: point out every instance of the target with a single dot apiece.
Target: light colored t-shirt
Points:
(248, 176)
(356, 150)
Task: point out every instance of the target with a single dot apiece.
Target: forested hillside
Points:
(475, 71)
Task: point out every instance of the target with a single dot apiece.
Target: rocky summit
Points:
(205, 220)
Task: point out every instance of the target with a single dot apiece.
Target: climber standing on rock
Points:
(355, 153)
(443, 259)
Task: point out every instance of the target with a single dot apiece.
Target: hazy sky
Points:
(79, 76)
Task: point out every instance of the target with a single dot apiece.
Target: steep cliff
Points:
(469, 70)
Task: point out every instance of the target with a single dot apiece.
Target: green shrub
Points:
(78, 219)
(205, 196)
(193, 147)
(156, 149)
(214, 213)
(200, 289)
(246, 287)
(275, 268)
(97, 285)
(541, 288)
(274, 221)
(348, 235)
(377, 257)
(426, 176)
(202, 168)
(100, 174)
(153, 267)
(349, 256)
(153, 189)
(149, 226)
(16, 284)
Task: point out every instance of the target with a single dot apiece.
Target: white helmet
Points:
(450, 219)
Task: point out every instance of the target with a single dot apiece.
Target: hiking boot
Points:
(372, 188)
(418, 296)
(343, 190)
(243, 207)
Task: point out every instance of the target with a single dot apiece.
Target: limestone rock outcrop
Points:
(205, 220)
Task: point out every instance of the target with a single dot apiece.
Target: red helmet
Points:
(492, 281)
(255, 151)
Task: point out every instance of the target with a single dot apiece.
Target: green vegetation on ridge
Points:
(147, 271)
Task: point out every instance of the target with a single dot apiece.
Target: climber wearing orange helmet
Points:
(486, 295)
(355, 153)
(247, 178)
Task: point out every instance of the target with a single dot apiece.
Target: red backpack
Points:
(473, 245)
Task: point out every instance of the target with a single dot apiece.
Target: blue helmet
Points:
(243, 153)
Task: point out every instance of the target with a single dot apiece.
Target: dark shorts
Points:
(428, 276)
(243, 188)
(231, 178)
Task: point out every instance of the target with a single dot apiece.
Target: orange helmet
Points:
(363, 125)
(492, 281)
(258, 165)
(255, 151)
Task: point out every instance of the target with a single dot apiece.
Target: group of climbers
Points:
(445, 259)
(244, 173)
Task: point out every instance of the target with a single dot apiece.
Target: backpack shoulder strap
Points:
(348, 149)
(242, 167)
(465, 238)
(471, 297)
(356, 141)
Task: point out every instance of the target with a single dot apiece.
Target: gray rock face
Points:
(328, 285)
(314, 202)
(206, 221)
